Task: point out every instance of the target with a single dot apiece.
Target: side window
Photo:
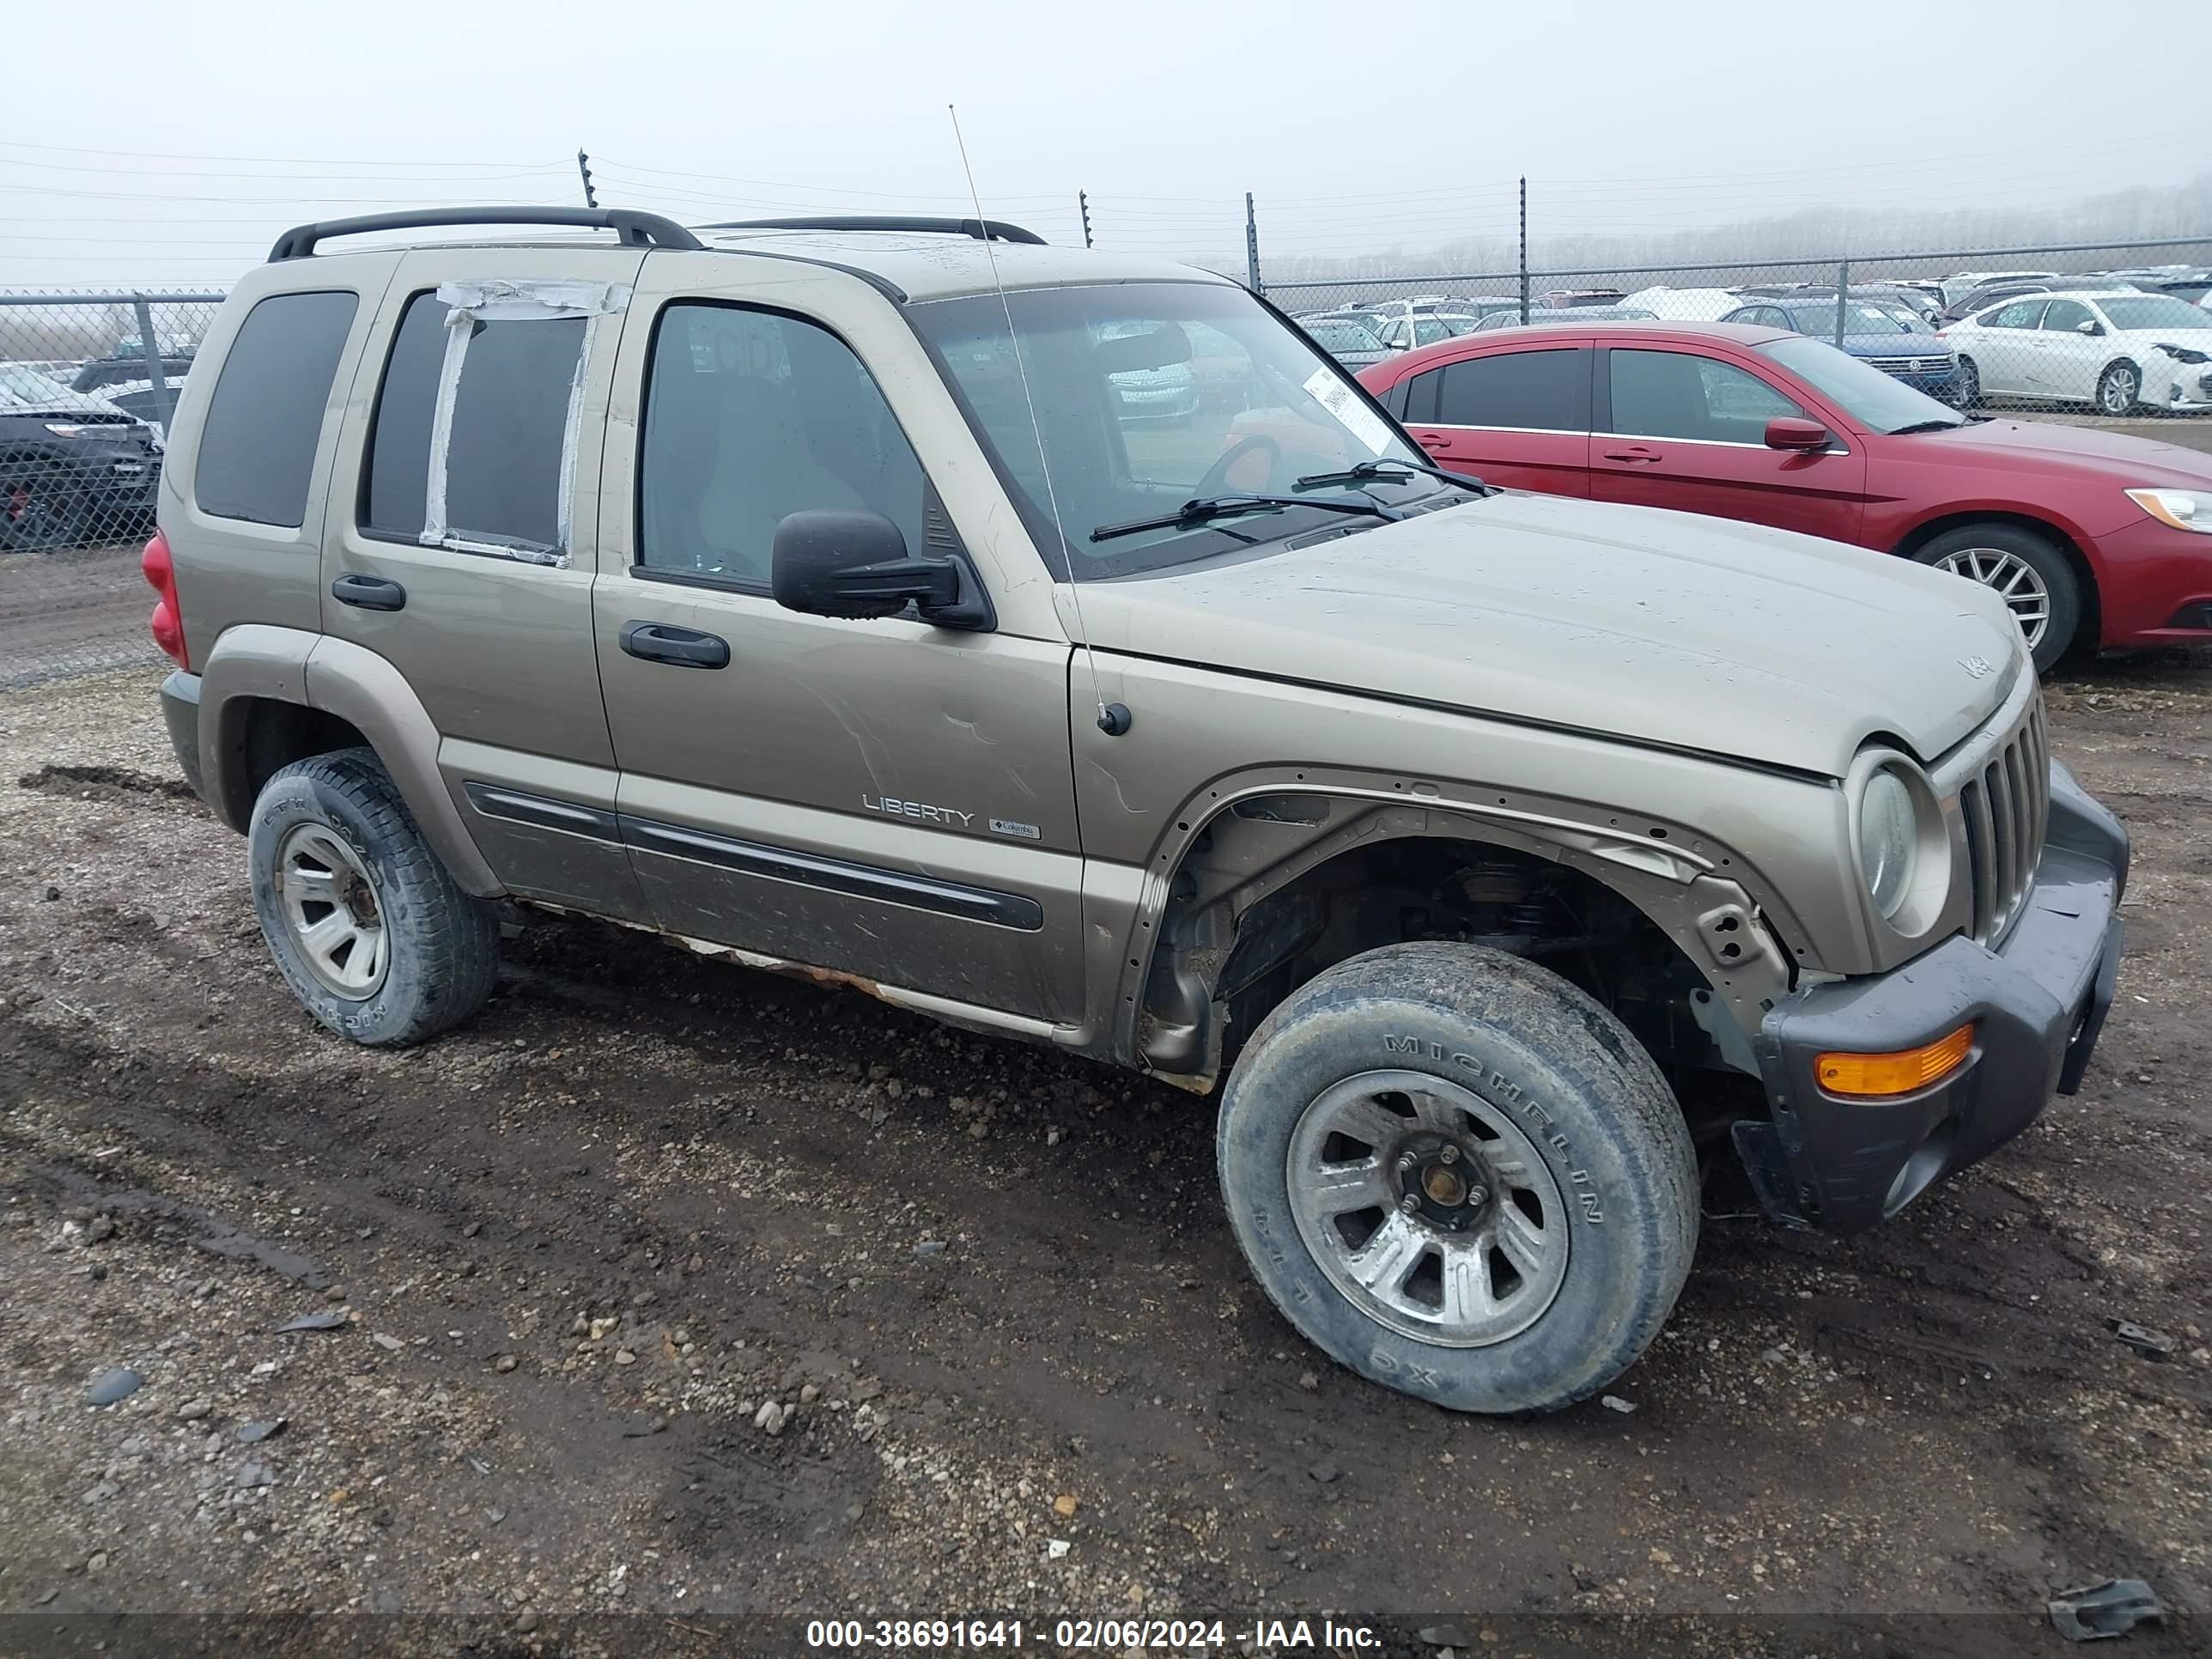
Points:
(1421, 398)
(258, 443)
(750, 415)
(2064, 316)
(1533, 391)
(1674, 394)
(499, 487)
(2020, 313)
(1429, 330)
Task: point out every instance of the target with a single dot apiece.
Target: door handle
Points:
(1630, 454)
(680, 648)
(369, 593)
(1436, 443)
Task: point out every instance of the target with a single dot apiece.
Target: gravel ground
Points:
(668, 1300)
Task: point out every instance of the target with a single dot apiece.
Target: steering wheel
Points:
(1217, 475)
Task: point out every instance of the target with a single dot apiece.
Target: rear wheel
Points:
(366, 925)
(2119, 389)
(42, 510)
(1460, 1177)
(2025, 570)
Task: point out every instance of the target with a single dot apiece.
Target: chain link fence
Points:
(88, 380)
(2118, 330)
(87, 385)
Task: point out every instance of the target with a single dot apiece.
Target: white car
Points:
(2120, 352)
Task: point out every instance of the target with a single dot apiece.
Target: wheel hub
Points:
(328, 903)
(1428, 1208)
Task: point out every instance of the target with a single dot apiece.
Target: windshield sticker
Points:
(1326, 388)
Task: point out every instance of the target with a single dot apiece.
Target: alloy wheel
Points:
(2119, 389)
(330, 902)
(1428, 1208)
(2015, 580)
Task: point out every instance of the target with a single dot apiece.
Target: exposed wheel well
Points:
(261, 736)
(1215, 978)
(2091, 628)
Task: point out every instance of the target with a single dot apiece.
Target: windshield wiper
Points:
(1927, 426)
(1378, 472)
(1206, 507)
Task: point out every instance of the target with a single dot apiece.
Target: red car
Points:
(2093, 538)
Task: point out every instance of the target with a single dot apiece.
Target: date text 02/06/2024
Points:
(1079, 1635)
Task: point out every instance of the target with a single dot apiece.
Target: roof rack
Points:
(634, 228)
(983, 230)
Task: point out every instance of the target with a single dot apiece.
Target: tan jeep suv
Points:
(836, 596)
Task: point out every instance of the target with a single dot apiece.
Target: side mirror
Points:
(840, 562)
(2090, 326)
(1789, 432)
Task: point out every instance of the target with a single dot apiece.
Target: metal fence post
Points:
(150, 350)
(1251, 247)
(1843, 288)
(1524, 250)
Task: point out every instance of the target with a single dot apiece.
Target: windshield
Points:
(27, 385)
(1343, 337)
(1860, 317)
(2154, 310)
(1131, 433)
(1871, 397)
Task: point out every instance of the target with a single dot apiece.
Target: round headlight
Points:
(1887, 832)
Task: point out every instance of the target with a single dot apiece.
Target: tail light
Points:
(167, 622)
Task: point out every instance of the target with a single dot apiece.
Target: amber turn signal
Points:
(1906, 1071)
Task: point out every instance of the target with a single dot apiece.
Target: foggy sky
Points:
(1358, 128)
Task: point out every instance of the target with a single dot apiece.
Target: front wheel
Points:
(2030, 574)
(2119, 389)
(1460, 1177)
(1966, 388)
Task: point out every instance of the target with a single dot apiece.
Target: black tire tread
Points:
(456, 954)
(1547, 1015)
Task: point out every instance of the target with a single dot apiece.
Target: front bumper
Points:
(2036, 1003)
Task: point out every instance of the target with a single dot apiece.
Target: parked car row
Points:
(2091, 538)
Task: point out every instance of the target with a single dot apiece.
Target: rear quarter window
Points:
(257, 450)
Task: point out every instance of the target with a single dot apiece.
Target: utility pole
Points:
(1524, 248)
(584, 169)
(1251, 247)
(1083, 205)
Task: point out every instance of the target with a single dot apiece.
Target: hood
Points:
(2047, 445)
(1665, 627)
(1899, 344)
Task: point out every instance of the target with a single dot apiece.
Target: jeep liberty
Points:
(865, 598)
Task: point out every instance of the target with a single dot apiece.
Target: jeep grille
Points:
(2006, 806)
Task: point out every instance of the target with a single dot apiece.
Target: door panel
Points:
(2068, 361)
(884, 800)
(498, 646)
(1687, 434)
(1555, 462)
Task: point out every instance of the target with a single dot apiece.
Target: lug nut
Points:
(1475, 1199)
(1406, 1161)
(1448, 1154)
(1410, 1203)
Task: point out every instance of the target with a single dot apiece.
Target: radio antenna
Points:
(1114, 719)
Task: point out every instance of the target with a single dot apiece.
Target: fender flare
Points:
(257, 661)
(1697, 900)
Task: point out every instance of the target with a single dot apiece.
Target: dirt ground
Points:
(678, 1301)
